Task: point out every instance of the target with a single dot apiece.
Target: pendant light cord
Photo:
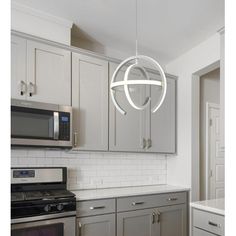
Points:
(136, 29)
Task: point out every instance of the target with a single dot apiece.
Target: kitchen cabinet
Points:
(162, 214)
(48, 73)
(40, 72)
(126, 132)
(90, 102)
(204, 221)
(18, 67)
(102, 225)
(137, 223)
(143, 131)
(163, 221)
(172, 220)
(222, 90)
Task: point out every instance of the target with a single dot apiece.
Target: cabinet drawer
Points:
(95, 207)
(200, 232)
(149, 201)
(208, 221)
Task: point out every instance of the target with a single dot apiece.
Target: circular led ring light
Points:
(127, 82)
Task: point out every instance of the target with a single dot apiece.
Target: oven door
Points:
(65, 226)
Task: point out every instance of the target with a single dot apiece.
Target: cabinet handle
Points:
(75, 139)
(80, 229)
(214, 224)
(158, 216)
(22, 87)
(149, 143)
(96, 207)
(137, 203)
(153, 217)
(31, 89)
(143, 143)
(172, 199)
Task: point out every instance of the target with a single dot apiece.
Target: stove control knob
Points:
(60, 207)
(47, 208)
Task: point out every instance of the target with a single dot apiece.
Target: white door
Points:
(216, 157)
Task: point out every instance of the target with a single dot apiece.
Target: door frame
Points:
(209, 105)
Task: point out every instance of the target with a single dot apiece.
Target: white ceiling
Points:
(167, 28)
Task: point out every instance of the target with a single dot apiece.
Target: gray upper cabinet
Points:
(143, 131)
(162, 128)
(102, 225)
(18, 67)
(48, 73)
(40, 72)
(90, 102)
(137, 223)
(126, 132)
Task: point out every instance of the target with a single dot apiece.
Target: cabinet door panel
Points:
(162, 123)
(127, 131)
(102, 225)
(173, 220)
(18, 67)
(137, 223)
(49, 72)
(90, 102)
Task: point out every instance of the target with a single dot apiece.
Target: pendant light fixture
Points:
(133, 63)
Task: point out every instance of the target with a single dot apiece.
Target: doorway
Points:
(211, 169)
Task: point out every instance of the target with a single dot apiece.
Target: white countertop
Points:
(216, 206)
(125, 191)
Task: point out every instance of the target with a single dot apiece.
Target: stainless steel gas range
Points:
(40, 203)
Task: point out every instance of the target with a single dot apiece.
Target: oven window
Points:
(32, 124)
(44, 230)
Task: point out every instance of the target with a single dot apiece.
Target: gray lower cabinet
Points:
(101, 225)
(163, 221)
(137, 223)
(90, 102)
(173, 220)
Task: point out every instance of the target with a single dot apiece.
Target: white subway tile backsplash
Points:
(97, 170)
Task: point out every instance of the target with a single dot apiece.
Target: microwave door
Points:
(29, 123)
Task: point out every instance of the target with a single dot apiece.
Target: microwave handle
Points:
(56, 125)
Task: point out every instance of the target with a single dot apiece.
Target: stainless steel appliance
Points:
(40, 124)
(40, 203)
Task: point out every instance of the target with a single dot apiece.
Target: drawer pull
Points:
(96, 207)
(214, 224)
(158, 216)
(80, 229)
(153, 217)
(172, 199)
(137, 203)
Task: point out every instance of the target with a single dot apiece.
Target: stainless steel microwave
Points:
(40, 124)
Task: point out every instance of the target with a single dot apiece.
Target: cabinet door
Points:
(162, 128)
(200, 232)
(137, 223)
(126, 132)
(18, 67)
(90, 102)
(101, 225)
(48, 73)
(173, 220)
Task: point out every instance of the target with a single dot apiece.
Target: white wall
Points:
(182, 169)
(97, 170)
(209, 92)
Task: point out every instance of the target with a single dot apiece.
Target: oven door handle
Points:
(56, 125)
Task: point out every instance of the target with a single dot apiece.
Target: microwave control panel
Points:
(64, 126)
